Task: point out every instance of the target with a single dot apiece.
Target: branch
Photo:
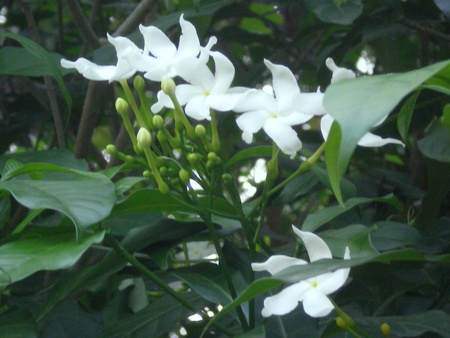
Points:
(83, 24)
(135, 18)
(411, 24)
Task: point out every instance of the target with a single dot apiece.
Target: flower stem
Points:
(155, 279)
(215, 141)
(132, 103)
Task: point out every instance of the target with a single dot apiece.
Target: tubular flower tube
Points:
(312, 292)
(277, 114)
(369, 139)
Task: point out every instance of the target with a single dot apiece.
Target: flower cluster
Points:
(276, 113)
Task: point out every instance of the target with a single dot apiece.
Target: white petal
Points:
(198, 108)
(157, 43)
(189, 45)
(276, 263)
(223, 102)
(295, 118)
(256, 100)
(338, 72)
(316, 246)
(194, 71)
(309, 103)
(185, 92)
(283, 135)
(316, 304)
(163, 101)
(284, 84)
(252, 121)
(371, 140)
(89, 69)
(204, 51)
(247, 137)
(224, 73)
(325, 125)
(286, 300)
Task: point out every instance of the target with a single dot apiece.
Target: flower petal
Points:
(372, 140)
(316, 246)
(283, 135)
(204, 51)
(189, 45)
(309, 103)
(185, 92)
(316, 304)
(295, 118)
(224, 73)
(286, 300)
(194, 71)
(338, 72)
(252, 121)
(276, 263)
(89, 69)
(163, 101)
(198, 108)
(284, 84)
(325, 125)
(157, 43)
(255, 100)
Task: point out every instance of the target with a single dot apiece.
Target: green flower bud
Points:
(200, 130)
(139, 83)
(386, 329)
(184, 176)
(341, 323)
(129, 159)
(163, 188)
(158, 122)
(212, 156)
(111, 149)
(163, 171)
(227, 178)
(121, 106)
(168, 86)
(194, 158)
(147, 173)
(144, 138)
(161, 137)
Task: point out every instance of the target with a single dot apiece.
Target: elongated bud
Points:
(158, 122)
(121, 106)
(168, 86)
(144, 138)
(184, 176)
(386, 329)
(341, 323)
(139, 83)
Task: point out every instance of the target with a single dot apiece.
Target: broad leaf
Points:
(41, 249)
(343, 14)
(358, 105)
(17, 324)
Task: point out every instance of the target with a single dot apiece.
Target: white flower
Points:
(313, 291)
(167, 57)
(129, 60)
(369, 139)
(198, 250)
(277, 114)
(205, 90)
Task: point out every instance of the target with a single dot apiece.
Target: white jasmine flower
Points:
(313, 291)
(129, 60)
(167, 56)
(276, 114)
(198, 250)
(369, 139)
(205, 90)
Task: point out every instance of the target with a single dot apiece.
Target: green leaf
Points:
(317, 219)
(41, 249)
(436, 143)
(358, 105)
(17, 324)
(157, 319)
(85, 197)
(257, 332)
(404, 117)
(393, 235)
(343, 14)
(52, 67)
(299, 186)
(253, 152)
(21, 62)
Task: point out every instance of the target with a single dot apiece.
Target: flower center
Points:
(314, 284)
(206, 92)
(274, 114)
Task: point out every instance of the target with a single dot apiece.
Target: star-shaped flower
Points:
(276, 114)
(312, 291)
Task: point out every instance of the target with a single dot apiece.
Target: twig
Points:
(83, 24)
(58, 124)
(403, 20)
(135, 18)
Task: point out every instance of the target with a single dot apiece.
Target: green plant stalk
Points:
(163, 187)
(180, 117)
(132, 103)
(350, 324)
(155, 279)
(215, 141)
(130, 131)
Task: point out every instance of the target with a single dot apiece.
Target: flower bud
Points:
(386, 329)
(158, 122)
(121, 106)
(341, 323)
(163, 171)
(139, 83)
(212, 156)
(168, 86)
(163, 188)
(194, 158)
(227, 178)
(144, 138)
(200, 130)
(161, 137)
(111, 149)
(129, 159)
(147, 173)
(184, 176)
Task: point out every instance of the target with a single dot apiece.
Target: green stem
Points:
(132, 103)
(22, 225)
(180, 117)
(215, 141)
(155, 279)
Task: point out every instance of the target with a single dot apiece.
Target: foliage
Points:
(97, 208)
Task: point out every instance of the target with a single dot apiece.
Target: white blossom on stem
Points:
(276, 114)
(312, 292)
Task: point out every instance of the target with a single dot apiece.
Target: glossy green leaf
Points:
(394, 235)
(358, 105)
(85, 197)
(41, 249)
(316, 219)
(405, 116)
(436, 143)
(17, 324)
(342, 14)
(257, 332)
(52, 67)
(253, 152)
